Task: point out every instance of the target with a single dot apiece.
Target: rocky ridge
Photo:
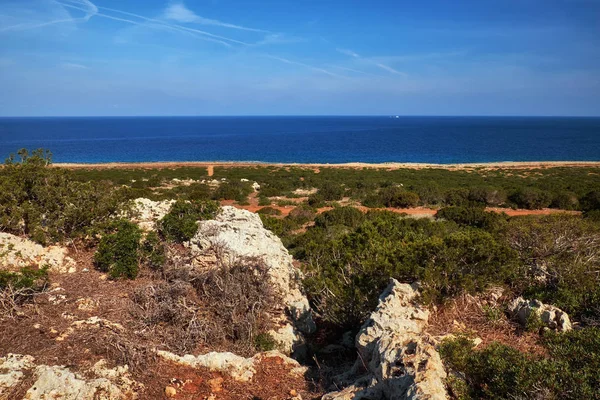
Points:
(397, 359)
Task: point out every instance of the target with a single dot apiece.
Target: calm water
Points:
(306, 139)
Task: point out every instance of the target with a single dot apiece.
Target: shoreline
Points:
(351, 165)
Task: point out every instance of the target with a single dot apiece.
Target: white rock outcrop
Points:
(17, 252)
(148, 212)
(400, 358)
(552, 317)
(240, 234)
(58, 382)
(239, 368)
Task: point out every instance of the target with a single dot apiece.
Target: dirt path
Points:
(415, 211)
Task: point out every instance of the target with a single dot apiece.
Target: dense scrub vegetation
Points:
(571, 370)
(47, 204)
(180, 224)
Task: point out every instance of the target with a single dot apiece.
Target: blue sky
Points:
(334, 57)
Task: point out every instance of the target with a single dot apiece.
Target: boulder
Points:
(58, 382)
(400, 359)
(17, 252)
(240, 234)
(552, 317)
(239, 368)
(148, 212)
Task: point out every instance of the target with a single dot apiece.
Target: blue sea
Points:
(306, 139)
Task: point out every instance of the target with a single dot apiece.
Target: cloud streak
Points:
(381, 65)
(317, 69)
(83, 5)
(177, 11)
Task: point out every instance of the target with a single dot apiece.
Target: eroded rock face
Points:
(240, 368)
(58, 382)
(400, 358)
(240, 234)
(552, 317)
(17, 252)
(148, 212)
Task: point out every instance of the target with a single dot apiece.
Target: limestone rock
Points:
(58, 382)
(239, 234)
(11, 370)
(401, 359)
(148, 212)
(240, 368)
(17, 252)
(553, 317)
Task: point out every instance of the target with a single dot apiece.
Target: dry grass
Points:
(483, 317)
(222, 307)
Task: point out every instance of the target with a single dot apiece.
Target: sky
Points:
(301, 57)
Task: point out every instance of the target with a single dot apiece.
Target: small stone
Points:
(170, 391)
(216, 384)
(37, 326)
(293, 393)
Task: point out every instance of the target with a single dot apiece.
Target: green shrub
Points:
(264, 342)
(264, 201)
(316, 200)
(47, 204)
(181, 223)
(302, 214)
(233, 190)
(346, 216)
(346, 267)
(488, 196)
(269, 211)
(565, 201)
(331, 191)
(472, 216)
(392, 196)
(117, 252)
(571, 371)
(26, 278)
(531, 198)
(591, 201)
(153, 251)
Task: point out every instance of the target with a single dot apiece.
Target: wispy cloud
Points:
(69, 65)
(381, 65)
(177, 11)
(51, 14)
(317, 69)
(153, 23)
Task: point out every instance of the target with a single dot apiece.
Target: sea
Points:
(319, 139)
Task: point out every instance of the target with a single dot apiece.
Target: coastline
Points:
(351, 165)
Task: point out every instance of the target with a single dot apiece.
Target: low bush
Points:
(48, 205)
(531, 198)
(331, 191)
(153, 251)
(347, 267)
(180, 224)
(19, 287)
(302, 214)
(117, 252)
(392, 196)
(571, 370)
(269, 211)
(473, 216)
(233, 190)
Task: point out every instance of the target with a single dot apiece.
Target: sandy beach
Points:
(210, 165)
